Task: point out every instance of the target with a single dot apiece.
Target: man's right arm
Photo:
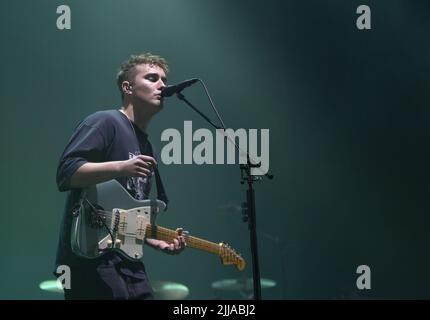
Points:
(91, 173)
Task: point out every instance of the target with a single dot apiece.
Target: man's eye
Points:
(152, 78)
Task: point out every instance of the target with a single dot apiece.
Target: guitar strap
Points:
(161, 192)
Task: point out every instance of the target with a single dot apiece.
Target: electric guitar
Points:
(109, 218)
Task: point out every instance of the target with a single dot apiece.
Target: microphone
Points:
(171, 90)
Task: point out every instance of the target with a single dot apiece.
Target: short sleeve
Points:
(87, 144)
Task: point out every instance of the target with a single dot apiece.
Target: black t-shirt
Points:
(103, 136)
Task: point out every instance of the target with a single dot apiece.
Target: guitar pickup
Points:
(133, 222)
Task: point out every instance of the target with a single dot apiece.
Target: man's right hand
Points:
(139, 166)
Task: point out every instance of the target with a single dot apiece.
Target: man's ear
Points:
(126, 87)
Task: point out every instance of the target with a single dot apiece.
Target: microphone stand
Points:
(249, 212)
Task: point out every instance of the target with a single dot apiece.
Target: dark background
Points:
(348, 113)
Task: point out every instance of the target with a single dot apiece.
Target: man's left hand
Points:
(175, 247)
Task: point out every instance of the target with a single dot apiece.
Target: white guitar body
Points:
(108, 206)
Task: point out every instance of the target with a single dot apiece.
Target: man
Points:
(113, 144)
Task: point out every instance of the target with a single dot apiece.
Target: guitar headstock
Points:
(230, 256)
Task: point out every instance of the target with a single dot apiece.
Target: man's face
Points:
(148, 83)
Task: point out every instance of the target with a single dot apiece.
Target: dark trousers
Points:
(107, 279)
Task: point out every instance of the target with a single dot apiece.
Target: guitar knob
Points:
(117, 243)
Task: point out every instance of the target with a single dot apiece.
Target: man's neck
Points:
(137, 115)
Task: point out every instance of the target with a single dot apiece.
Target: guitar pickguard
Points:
(130, 231)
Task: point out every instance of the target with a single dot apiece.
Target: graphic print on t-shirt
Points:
(138, 187)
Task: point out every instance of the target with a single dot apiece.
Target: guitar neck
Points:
(161, 233)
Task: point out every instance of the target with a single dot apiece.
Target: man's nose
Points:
(162, 85)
